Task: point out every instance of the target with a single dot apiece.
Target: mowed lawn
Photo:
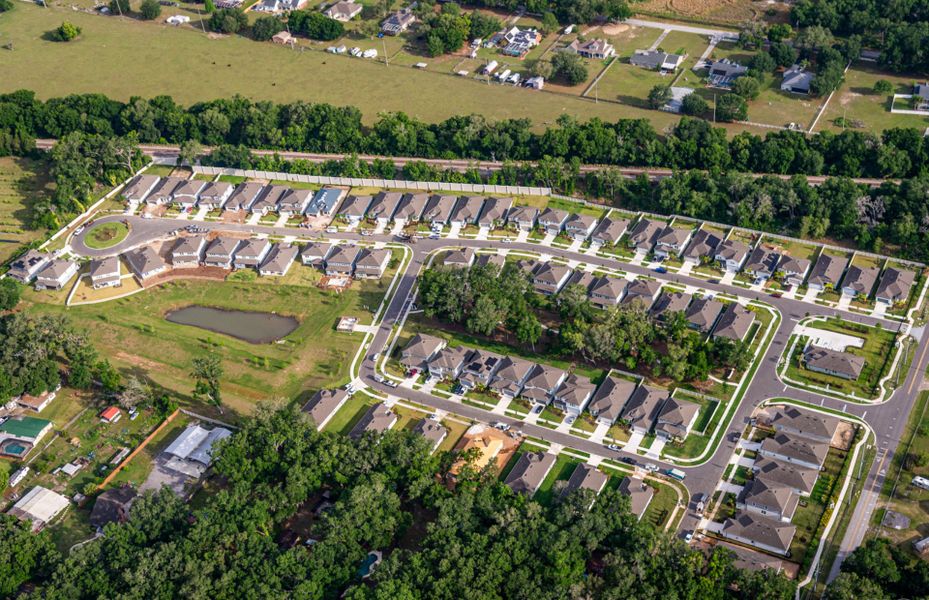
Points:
(22, 180)
(133, 334)
(124, 57)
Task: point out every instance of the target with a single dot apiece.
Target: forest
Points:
(248, 538)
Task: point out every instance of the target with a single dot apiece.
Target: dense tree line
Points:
(566, 11)
(879, 570)
(479, 540)
(485, 300)
(447, 30)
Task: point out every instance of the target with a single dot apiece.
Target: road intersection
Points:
(886, 419)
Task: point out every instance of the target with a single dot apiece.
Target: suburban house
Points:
(487, 441)
(723, 73)
(112, 506)
(799, 479)
(243, 196)
(104, 272)
(702, 313)
(293, 202)
(676, 418)
(734, 323)
(671, 241)
(640, 495)
(827, 272)
(762, 262)
(398, 22)
(460, 258)
(324, 202)
(895, 286)
(642, 408)
(191, 453)
(419, 350)
(251, 253)
(497, 260)
(833, 362)
(583, 279)
(371, 263)
(139, 188)
(25, 268)
(656, 60)
(37, 403)
(859, 281)
(523, 218)
(56, 274)
(433, 431)
(610, 398)
(768, 499)
(341, 260)
(466, 211)
(731, 254)
(607, 291)
(448, 362)
(580, 226)
(214, 195)
(411, 207)
(145, 262)
(220, 251)
(792, 269)
(343, 11)
(518, 42)
(19, 435)
(39, 506)
(669, 303)
(642, 291)
(609, 231)
(596, 49)
(552, 220)
(278, 260)
(815, 426)
(573, 394)
(438, 210)
(494, 213)
(795, 450)
(702, 246)
(675, 103)
(644, 234)
(549, 277)
(315, 253)
(323, 404)
(586, 477)
(760, 532)
(188, 251)
(383, 207)
(164, 191)
(529, 472)
(510, 376)
(268, 200)
(376, 420)
(479, 369)
(187, 193)
(541, 383)
(797, 80)
(354, 208)
(921, 97)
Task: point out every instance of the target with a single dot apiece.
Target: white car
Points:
(372, 53)
(332, 230)
(651, 467)
(501, 426)
(356, 51)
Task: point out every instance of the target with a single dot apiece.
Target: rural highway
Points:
(887, 419)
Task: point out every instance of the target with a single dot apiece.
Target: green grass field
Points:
(22, 180)
(856, 101)
(106, 235)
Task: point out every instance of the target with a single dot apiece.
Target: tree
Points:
(779, 32)
(67, 31)
(119, 7)
(26, 554)
(850, 586)
(109, 378)
(540, 68)
(746, 86)
(694, 105)
(549, 23)
(208, 372)
(659, 96)
(10, 292)
(228, 20)
(189, 152)
(783, 54)
(209, 6)
(731, 107)
(762, 62)
(134, 393)
(315, 25)
(150, 9)
(6, 5)
(569, 68)
(882, 87)
(484, 25)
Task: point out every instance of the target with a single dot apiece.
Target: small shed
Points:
(284, 38)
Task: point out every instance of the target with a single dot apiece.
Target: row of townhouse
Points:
(248, 196)
(785, 471)
(47, 271)
(436, 209)
(347, 260)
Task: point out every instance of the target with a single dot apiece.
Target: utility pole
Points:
(202, 26)
(384, 46)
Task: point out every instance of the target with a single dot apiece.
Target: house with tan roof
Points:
(371, 263)
(552, 220)
(529, 472)
(511, 375)
(731, 254)
(827, 272)
(735, 323)
(343, 11)
(354, 208)
(324, 404)
(541, 384)
(676, 418)
(341, 260)
(251, 253)
(703, 313)
(294, 203)
(220, 251)
(243, 196)
(573, 394)
(459, 258)
(495, 211)
(466, 211)
(376, 420)
(607, 291)
(215, 194)
(448, 362)
(419, 351)
(640, 495)
(523, 218)
(278, 260)
(549, 277)
(145, 262)
(438, 210)
(895, 286)
(859, 281)
(411, 207)
(139, 188)
(595, 49)
(188, 251)
(579, 226)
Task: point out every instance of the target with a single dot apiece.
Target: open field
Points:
(856, 101)
(716, 11)
(134, 336)
(22, 180)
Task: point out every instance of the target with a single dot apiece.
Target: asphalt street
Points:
(887, 419)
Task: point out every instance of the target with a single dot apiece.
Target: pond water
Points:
(252, 327)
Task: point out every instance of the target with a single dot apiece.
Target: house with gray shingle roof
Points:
(795, 449)
(315, 253)
(484, 260)
(586, 477)
(354, 208)
(459, 258)
(523, 217)
(895, 286)
(419, 350)
(596, 48)
(188, 251)
(371, 263)
(760, 532)
(731, 254)
(671, 241)
(145, 262)
(656, 60)
(541, 384)
(220, 251)
(644, 234)
(438, 210)
(762, 262)
(669, 303)
(642, 408)
(793, 269)
(139, 188)
(294, 202)
(609, 231)
(448, 362)
(529, 472)
(383, 206)
(812, 425)
(411, 207)
(833, 362)
(641, 291)
(25, 267)
(376, 420)
(510, 376)
(215, 194)
(859, 281)
(324, 404)
(163, 193)
(243, 196)
(703, 313)
(797, 80)
(580, 226)
(573, 394)
(799, 479)
(56, 274)
(433, 431)
(734, 323)
(495, 211)
(676, 418)
(610, 398)
(702, 246)
(186, 194)
(105, 272)
(479, 369)
(268, 200)
(341, 260)
(466, 211)
(607, 291)
(640, 495)
(827, 272)
(251, 253)
(278, 260)
(549, 277)
(552, 220)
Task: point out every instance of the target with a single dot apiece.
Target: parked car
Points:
(660, 270)
(538, 408)
(379, 378)
(570, 420)
(614, 447)
(628, 460)
(332, 230)
(501, 426)
(651, 467)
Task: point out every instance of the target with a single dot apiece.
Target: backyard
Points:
(22, 181)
